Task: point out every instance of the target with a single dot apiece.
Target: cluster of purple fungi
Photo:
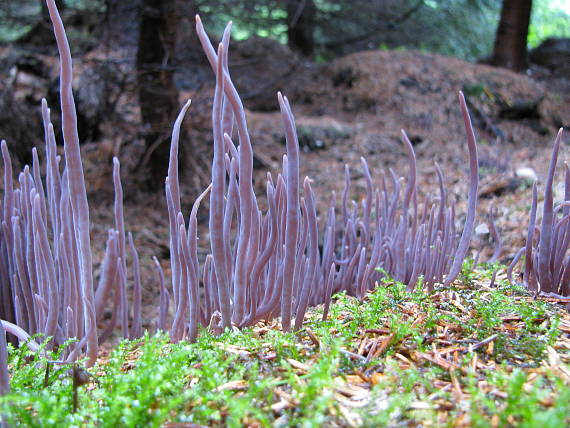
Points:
(264, 263)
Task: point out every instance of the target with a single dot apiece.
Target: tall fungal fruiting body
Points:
(137, 291)
(495, 235)
(121, 292)
(246, 197)
(46, 269)
(172, 188)
(265, 258)
(292, 212)
(547, 263)
(463, 245)
(78, 194)
(217, 235)
(406, 241)
(268, 263)
(164, 296)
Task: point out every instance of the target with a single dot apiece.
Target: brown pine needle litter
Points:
(469, 355)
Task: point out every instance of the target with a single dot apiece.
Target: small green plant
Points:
(412, 351)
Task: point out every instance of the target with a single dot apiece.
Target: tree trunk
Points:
(510, 42)
(158, 98)
(188, 48)
(301, 26)
(122, 24)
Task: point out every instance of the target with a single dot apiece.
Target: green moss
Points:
(263, 377)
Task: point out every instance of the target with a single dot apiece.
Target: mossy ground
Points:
(473, 355)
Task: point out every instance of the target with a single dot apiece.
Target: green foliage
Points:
(18, 17)
(461, 28)
(525, 405)
(550, 18)
(241, 377)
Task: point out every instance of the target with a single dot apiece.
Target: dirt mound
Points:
(553, 54)
(417, 92)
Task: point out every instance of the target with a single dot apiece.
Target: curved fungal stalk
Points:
(367, 204)
(495, 234)
(511, 267)
(120, 228)
(21, 334)
(292, 216)
(546, 227)
(137, 291)
(78, 193)
(108, 275)
(191, 247)
(164, 296)
(245, 171)
(124, 312)
(547, 266)
(469, 225)
(313, 250)
(328, 290)
(217, 236)
(178, 324)
(173, 201)
(412, 173)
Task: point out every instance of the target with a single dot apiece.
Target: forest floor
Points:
(355, 107)
(480, 354)
(474, 355)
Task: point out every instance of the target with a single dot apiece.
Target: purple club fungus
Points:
(263, 262)
(547, 265)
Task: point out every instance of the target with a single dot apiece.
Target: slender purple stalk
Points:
(21, 334)
(78, 193)
(292, 217)
(328, 290)
(137, 292)
(173, 201)
(109, 274)
(124, 313)
(313, 250)
(217, 236)
(164, 296)
(120, 228)
(547, 266)
(463, 245)
(189, 247)
(544, 250)
(495, 234)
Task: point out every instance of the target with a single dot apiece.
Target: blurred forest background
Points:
(135, 60)
(462, 28)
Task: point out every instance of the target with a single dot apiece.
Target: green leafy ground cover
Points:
(474, 355)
